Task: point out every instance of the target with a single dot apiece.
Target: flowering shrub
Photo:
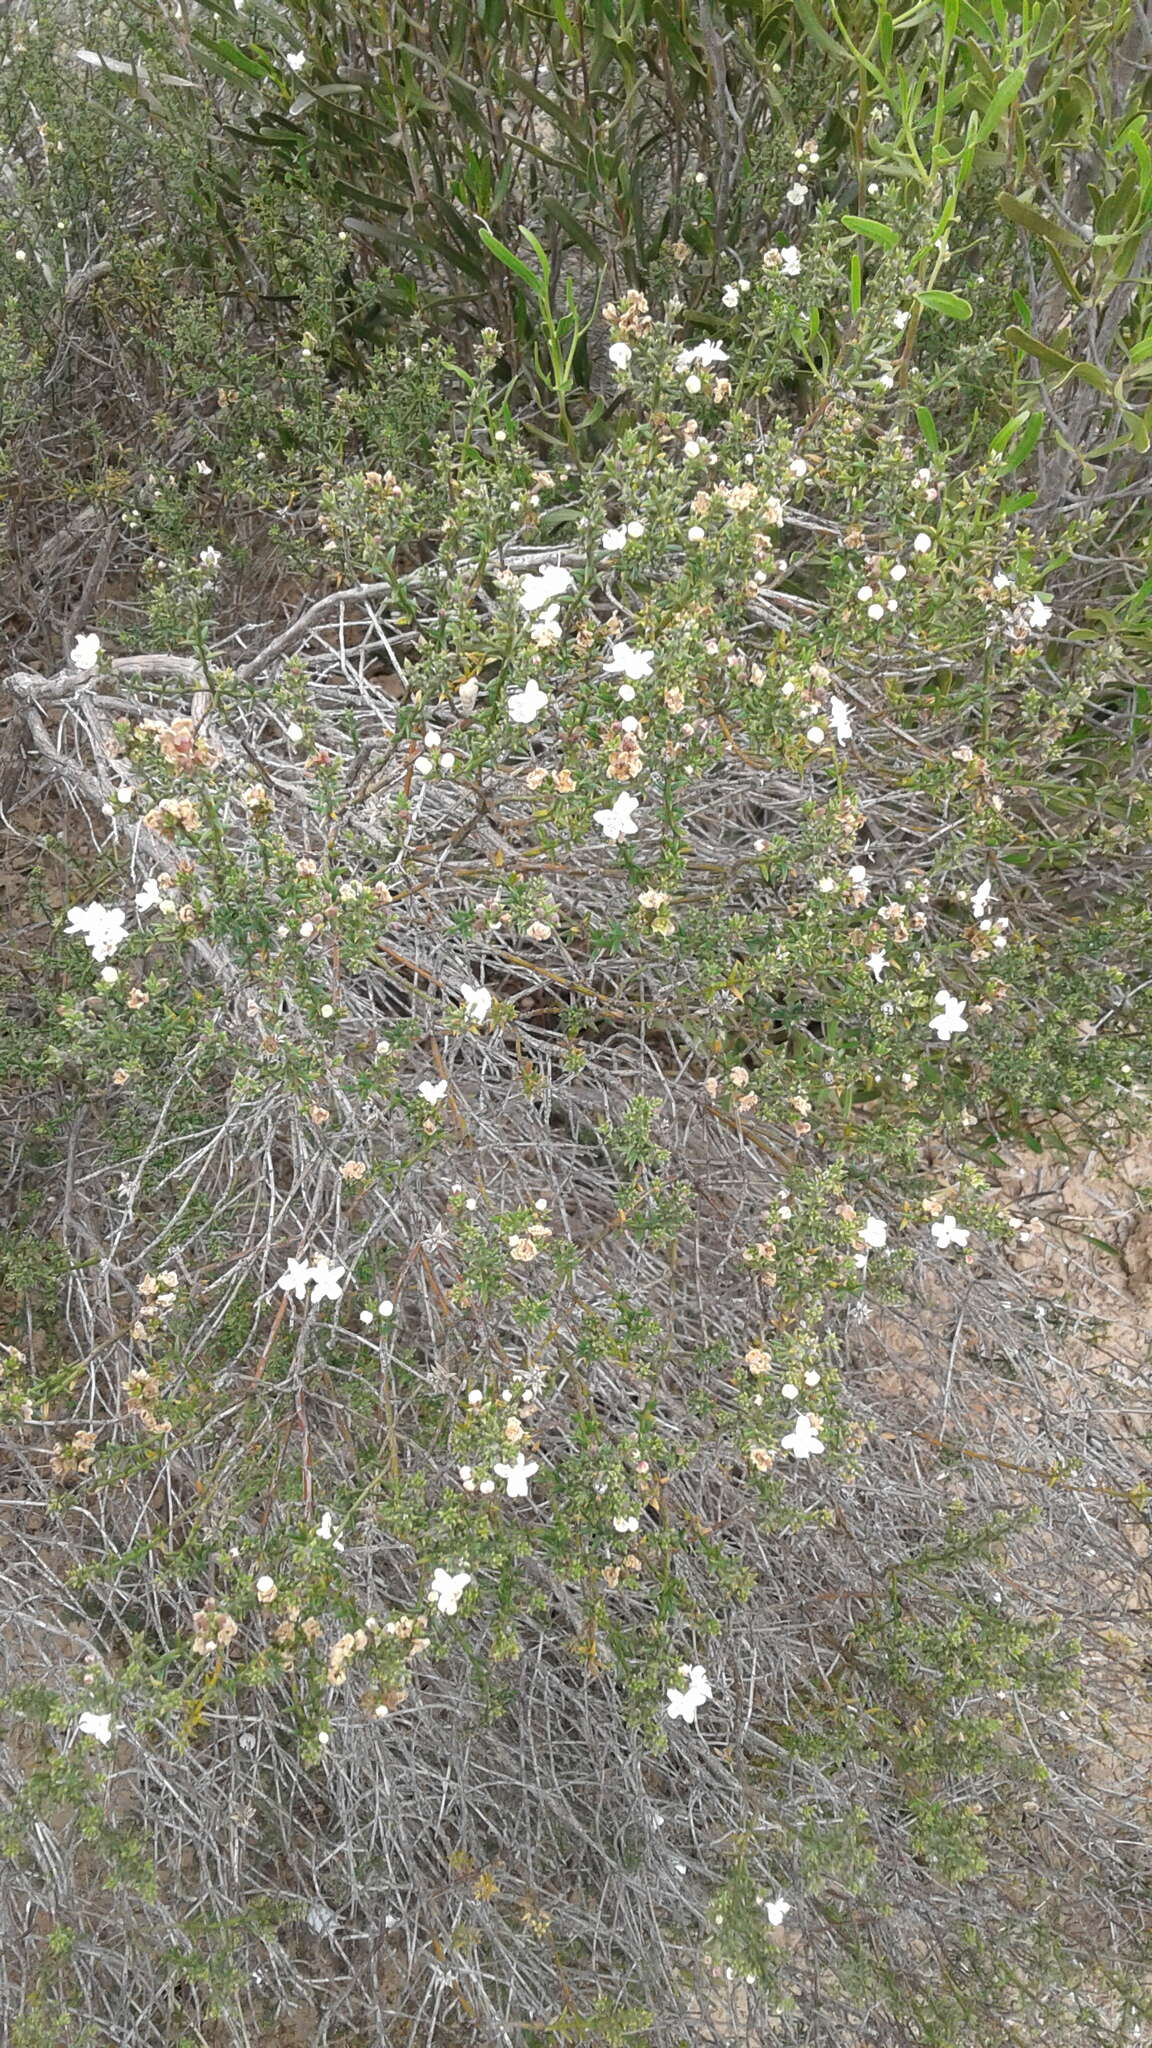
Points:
(508, 1053)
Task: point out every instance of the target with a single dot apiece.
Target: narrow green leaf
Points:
(948, 303)
(1036, 223)
(927, 426)
(873, 230)
(512, 262)
(1042, 350)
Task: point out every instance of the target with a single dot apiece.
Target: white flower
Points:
(446, 1589)
(981, 898)
(840, 718)
(619, 355)
(433, 1091)
(683, 1705)
(516, 1476)
(295, 60)
(730, 297)
(539, 590)
(526, 704)
(874, 1233)
(703, 356)
(210, 558)
(619, 821)
(922, 543)
(635, 529)
(477, 1001)
(633, 662)
(948, 1232)
(796, 194)
(295, 1278)
(775, 1911)
(326, 1279)
(802, 1440)
(101, 930)
(265, 1589)
(790, 260)
(85, 651)
(546, 631)
(97, 1725)
(152, 897)
(327, 1531)
(878, 961)
(950, 1022)
(625, 1525)
(613, 539)
(1038, 614)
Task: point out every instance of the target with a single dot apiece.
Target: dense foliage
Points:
(577, 757)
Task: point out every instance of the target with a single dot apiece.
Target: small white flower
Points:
(865, 593)
(702, 356)
(539, 590)
(796, 194)
(775, 1911)
(102, 930)
(1038, 614)
(613, 539)
(99, 1726)
(546, 631)
(684, 1703)
(295, 59)
(802, 1440)
(265, 1589)
(210, 558)
(922, 544)
(633, 662)
(625, 1525)
(526, 704)
(326, 1279)
(730, 297)
(433, 1091)
(635, 529)
(948, 1232)
(295, 1278)
(446, 1589)
(516, 1476)
(327, 1531)
(815, 735)
(619, 820)
(790, 260)
(694, 533)
(619, 355)
(981, 898)
(477, 1001)
(85, 651)
(840, 719)
(877, 961)
(874, 1233)
(897, 572)
(152, 897)
(951, 1020)
(1000, 581)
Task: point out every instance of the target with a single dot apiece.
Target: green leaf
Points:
(497, 248)
(572, 228)
(1021, 448)
(998, 105)
(874, 230)
(1036, 223)
(927, 426)
(948, 303)
(1042, 350)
